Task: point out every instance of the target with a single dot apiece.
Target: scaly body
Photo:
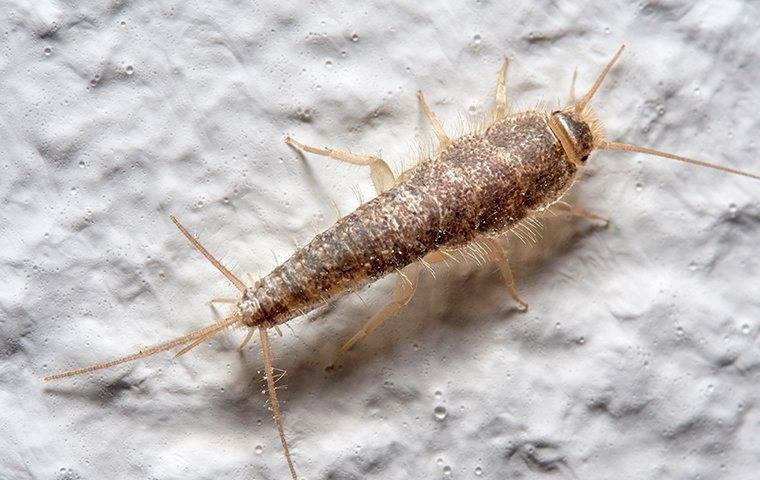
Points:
(483, 183)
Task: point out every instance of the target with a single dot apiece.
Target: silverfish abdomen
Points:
(482, 183)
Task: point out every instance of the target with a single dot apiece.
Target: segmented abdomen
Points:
(482, 183)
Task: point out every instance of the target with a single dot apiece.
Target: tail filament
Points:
(266, 354)
(201, 333)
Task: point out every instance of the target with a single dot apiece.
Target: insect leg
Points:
(500, 255)
(247, 339)
(437, 127)
(579, 212)
(223, 300)
(435, 257)
(406, 284)
(501, 90)
(382, 175)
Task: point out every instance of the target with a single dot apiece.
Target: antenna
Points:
(657, 153)
(598, 83)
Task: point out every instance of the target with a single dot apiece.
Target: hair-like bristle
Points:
(596, 126)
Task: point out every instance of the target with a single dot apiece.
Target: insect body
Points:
(470, 192)
(479, 185)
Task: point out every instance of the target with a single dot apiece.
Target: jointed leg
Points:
(247, 339)
(579, 212)
(437, 127)
(382, 175)
(501, 90)
(224, 300)
(500, 255)
(402, 294)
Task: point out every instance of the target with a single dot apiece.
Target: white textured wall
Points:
(638, 358)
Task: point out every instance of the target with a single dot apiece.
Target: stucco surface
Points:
(638, 358)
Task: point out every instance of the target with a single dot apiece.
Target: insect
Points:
(461, 200)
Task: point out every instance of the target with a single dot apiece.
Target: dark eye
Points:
(585, 157)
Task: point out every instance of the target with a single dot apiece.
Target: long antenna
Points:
(650, 151)
(598, 83)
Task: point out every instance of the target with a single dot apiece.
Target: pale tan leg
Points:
(381, 173)
(500, 255)
(402, 294)
(437, 127)
(573, 97)
(501, 90)
(579, 212)
(247, 339)
(224, 300)
(440, 256)
(435, 257)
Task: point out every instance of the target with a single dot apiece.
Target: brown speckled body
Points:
(482, 183)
